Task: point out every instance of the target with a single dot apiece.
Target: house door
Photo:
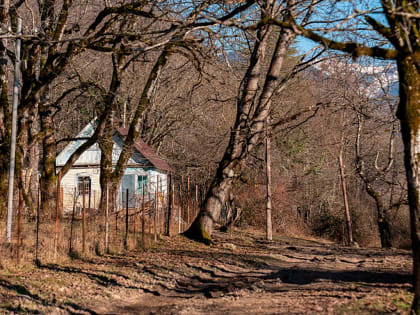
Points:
(128, 182)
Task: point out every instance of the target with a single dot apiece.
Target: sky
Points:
(339, 10)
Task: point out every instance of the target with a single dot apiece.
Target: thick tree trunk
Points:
(106, 178)
(229, 167)
(383, 224)
(112, 197)
(5, 114)
(4, 167)
(382, 212)
(48, 175)
(244, 139)
(34, 158)
(385, 232)
(409, 115)
(382, 219)
(202, 227)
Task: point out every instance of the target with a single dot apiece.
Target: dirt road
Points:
(239, 274)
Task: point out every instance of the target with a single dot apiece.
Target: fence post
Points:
(134, 218)
(61, 203)
(122, 198)
(106, 221)
(116, 217)
(83, 216)
(37, 224)
(197, 206)
(142, 217)
(19, 231)
(179, 209)
(72, 222)
(150, 212)
(162, 208)
(126, 222)
(158, 206)
(188, 201)
(90, 196)
(173, 199)
(57, 214)
(169, 198)
(155, 210)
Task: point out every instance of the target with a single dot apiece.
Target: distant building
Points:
(144, 169)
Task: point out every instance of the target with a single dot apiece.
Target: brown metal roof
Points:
(147, 152)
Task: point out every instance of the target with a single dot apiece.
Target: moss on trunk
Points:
(197, 231)
(106, 145)
(48, 175)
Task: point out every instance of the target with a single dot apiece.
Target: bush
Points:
(327, 224)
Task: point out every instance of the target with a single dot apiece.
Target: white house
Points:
(144, 169)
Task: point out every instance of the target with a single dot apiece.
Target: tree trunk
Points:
(4, 170)
(5, 114)
(346, 203)
(106, 173)
(202, 227)
(384, 232)
(382, 219)
(48, 176)
(232, 214)
(408, 113)
(244, 139)
(269, 226)
(229, 167)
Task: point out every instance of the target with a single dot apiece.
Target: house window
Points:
(86, 180)
(141, 182)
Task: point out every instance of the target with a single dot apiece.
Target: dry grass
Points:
(94, 239)
(287, 275)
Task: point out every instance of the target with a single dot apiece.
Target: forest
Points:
(232, 151)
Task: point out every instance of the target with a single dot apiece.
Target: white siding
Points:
(153, 178)
(69, 183)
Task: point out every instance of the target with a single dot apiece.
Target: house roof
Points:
(147, 151)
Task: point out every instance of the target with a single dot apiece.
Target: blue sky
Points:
(328, 11)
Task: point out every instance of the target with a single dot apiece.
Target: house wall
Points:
(69, 183)
(163, 182)
(152, 179)
(88, 165)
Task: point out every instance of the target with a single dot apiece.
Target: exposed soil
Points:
(240, 274)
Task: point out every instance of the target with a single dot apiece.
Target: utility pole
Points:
(269, 224)
(13, 139)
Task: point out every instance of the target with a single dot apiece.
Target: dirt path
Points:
(240, 274)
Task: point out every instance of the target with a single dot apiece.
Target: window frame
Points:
(140, 187)
(88, 184)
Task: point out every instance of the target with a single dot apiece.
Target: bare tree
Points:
(402, 32)
(253, 109)
(369, 181)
